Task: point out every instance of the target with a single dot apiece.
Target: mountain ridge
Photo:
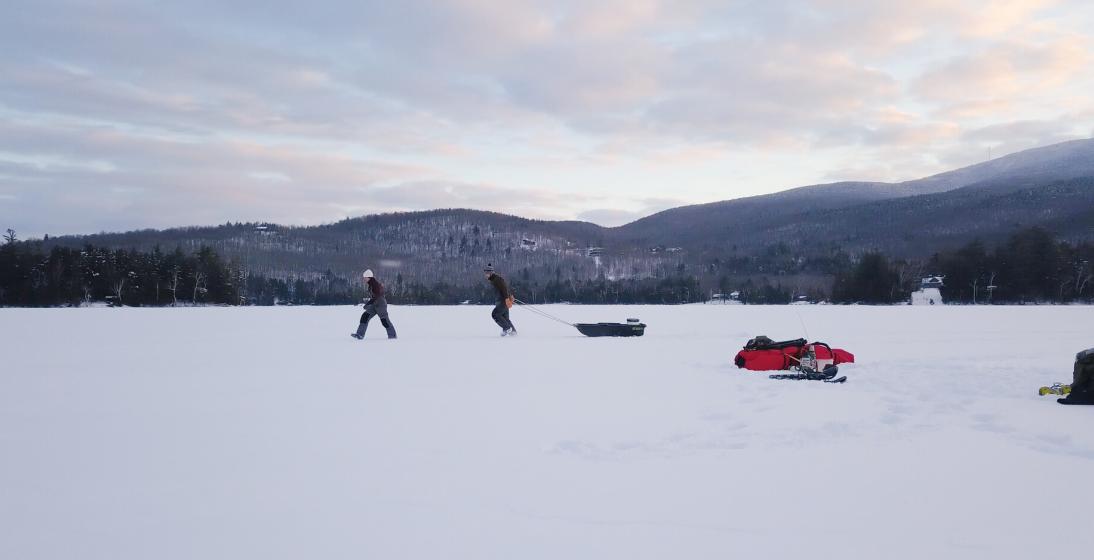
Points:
(1051, 186)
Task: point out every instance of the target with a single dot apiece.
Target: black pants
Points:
(378, 307)
(501, 316)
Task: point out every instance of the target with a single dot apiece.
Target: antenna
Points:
(802, 321)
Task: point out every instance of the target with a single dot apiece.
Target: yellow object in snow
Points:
(1055, 389)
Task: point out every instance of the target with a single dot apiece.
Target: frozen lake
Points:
(269, 433)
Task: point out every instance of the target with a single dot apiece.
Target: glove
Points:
(509, 302)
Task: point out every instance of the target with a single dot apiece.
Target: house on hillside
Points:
(929, 292)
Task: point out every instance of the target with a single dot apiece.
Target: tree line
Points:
(33, 277)
(1031, 266)
(30, 277)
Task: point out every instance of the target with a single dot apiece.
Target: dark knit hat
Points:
(489, 268)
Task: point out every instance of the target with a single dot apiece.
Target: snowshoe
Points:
(810, 374)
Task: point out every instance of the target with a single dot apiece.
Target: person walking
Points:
(375, 305)
(504, 301)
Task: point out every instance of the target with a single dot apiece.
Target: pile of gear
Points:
(810, 361)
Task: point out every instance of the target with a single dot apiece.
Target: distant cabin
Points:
(730, 298)
(931, 282)
(929, 292)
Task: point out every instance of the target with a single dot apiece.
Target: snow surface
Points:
(269, 433)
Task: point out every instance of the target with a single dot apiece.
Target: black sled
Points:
(631, 328)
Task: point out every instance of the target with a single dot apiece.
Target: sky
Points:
(120, 115)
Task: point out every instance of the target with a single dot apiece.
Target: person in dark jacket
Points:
(1082, 381)
(504, 301)
(375, 305)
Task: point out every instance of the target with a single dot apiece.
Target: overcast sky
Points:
(118, 115)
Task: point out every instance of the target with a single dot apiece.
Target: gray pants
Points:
(378, 308)
(501, 316)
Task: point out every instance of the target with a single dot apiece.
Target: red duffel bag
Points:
(764, 354)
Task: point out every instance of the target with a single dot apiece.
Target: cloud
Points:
(1005, 71)
(426, 195)
(202, 111)
(612, 217)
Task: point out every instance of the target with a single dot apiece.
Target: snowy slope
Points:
(269, 433)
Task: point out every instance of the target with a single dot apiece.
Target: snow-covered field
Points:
(268, 433)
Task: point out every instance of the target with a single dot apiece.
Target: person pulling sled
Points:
(375, 305)
(504, 301)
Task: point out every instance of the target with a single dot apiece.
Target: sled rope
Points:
(542, 313)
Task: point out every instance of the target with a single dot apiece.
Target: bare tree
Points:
(173, 285)
(199, 284)
(1082, 277)
(1062, 286)
(9, 236)
(908, 272)
(117, 286)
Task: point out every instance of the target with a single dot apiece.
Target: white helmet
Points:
(367, 274)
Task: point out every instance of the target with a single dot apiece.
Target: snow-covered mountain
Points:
(1066, 160)
(763, 220)
(1051, 187)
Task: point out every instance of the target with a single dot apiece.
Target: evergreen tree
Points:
(872, 280)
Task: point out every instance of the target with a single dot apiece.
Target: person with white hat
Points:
(375, 305)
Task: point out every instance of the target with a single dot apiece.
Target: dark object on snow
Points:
(631, 328)
(1082, 384)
